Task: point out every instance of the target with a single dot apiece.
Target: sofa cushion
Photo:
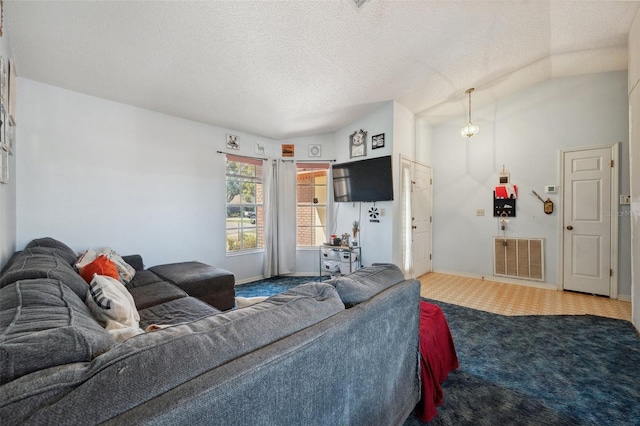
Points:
(135, 260)
(28, 265)
(60, 248)
(143, 278)
(156, 293)
(188, 350)
(176, 311)
(366, 282)
(44, 324)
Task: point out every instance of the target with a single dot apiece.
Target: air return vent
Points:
(519, 258)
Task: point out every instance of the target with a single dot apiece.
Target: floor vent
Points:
(519, 258)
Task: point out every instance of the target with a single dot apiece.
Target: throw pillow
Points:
(125, 270)
(113, 306)
(85, 258)
(100, 266)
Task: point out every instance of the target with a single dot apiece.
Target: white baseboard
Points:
(502, 280)
(624, 298)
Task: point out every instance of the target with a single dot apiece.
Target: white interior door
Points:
(421, 219)
(587, 221)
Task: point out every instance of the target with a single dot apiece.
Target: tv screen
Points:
(364, 180)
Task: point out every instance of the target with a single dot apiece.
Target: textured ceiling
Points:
(282, 69)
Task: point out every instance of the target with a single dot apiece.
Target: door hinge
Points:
(610, 272)
(611, 163)
(430, 219)
(430, 257)
(430, 181)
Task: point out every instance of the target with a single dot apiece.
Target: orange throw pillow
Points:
(100, 266)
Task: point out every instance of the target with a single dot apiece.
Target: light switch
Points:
(480, 212)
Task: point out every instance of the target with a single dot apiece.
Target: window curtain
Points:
(407, 235)
(280, 218)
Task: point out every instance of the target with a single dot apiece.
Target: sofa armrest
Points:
(135, 260)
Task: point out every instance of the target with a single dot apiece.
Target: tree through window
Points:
(245, 221)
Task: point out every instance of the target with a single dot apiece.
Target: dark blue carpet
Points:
(540, 370)
(273, 285)
(528, 370)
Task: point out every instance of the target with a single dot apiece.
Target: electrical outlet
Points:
(480, 212)
(625, 199)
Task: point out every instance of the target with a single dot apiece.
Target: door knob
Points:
(569, 227)
(414, 227)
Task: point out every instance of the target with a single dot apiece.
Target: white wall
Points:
(404, 131)
(94, 173)
(524, 132)
(8, 191)
(376, 239)
(634, 161)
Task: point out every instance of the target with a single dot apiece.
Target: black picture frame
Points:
(377, 141)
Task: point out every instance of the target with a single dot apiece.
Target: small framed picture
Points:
(4, 173)
(358, 144)
(288, 150)
(232, 142)
(315, 150)
(377, 141)
(10, 136)
(261, 149)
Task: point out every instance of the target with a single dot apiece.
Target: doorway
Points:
(588, 227)
(417, 193)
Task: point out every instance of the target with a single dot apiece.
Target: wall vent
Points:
(519, 258)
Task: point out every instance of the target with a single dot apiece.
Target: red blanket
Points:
(437, 358)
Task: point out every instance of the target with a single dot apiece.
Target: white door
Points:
(587, 221)
(421, 219)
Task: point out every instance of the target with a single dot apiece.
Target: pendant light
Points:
(470, 129)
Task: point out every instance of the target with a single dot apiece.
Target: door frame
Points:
(614, 194)
(413, 161)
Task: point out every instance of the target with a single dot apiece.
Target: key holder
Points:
(548, 204)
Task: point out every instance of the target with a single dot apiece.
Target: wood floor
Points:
(511, 299)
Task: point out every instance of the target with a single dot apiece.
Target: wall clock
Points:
(358, 144)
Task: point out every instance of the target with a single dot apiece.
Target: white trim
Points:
(614, 194)
(537, 284)
(624, 298)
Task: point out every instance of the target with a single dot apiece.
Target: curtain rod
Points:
(315, 161)
(243, 156)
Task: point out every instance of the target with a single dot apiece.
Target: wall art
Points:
(288, 150)
(4, 164)
(377, 141)
(261, 149)
(315, 150)
(232, 142)
(13, 92)
(358, 144)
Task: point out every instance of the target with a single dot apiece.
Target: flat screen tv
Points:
(364, 180)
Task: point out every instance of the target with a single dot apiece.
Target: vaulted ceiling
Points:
(282, 69)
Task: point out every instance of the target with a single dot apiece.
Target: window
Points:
(245, 221)
(311, 204)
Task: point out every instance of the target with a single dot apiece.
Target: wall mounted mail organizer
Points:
(504, 200)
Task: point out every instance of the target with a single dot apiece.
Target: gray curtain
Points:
(280, 217)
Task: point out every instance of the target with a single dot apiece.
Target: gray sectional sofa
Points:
(342, 352)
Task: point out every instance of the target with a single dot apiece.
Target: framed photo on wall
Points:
(288, 150)
(377, 141)
(232, 142)
(358, 144)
